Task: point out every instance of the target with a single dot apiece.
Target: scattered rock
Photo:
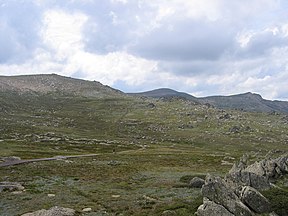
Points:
(114, 163)
(54, 211)
(151, 199)
(16, 192)
(11, 186)
(10, 159)
(196, 182)
(151, 105)
(235, 129)
(255, 200)
(169, 213)
(87, 210)
(225, 116)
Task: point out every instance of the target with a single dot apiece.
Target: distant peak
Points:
(252, 95)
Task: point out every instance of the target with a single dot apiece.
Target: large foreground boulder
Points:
(54, 211)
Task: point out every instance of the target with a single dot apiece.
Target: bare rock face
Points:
(255, 200)
(54, 211)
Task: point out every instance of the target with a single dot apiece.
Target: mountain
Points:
(247, 102)
(52, 83)
(166, 93)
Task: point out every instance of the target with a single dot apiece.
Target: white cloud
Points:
(199, 46)
(64, 53)
(62, 32)
(120, 1)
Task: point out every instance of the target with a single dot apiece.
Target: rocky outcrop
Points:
(54, 211)
(237, 193)
(216, 190)
(247, 179)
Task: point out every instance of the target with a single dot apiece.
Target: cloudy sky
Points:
(203, 47)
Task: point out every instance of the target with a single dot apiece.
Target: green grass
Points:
(156, 150)
(278, 198)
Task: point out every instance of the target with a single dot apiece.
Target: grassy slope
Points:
(154, 148)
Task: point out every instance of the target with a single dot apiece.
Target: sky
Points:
(202, 47)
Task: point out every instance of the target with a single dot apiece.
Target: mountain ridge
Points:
(245, 101)
(56, 84)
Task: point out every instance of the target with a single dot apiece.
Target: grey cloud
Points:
(103, 35)
(188, 40)
(19, 27)
(261, 44)
(188, 68)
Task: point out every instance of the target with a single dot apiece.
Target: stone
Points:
(255, 200)
(169, 213)
(196, 182)
(87, 210)
(11, 186)
(16, 192)
(10, 159)
(151, 105)
(54, 211)
(210, 208)
(235, 129)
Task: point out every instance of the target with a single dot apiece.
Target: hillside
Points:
(145, 150)
(166, 93)
(245, 102)
(52, 83)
